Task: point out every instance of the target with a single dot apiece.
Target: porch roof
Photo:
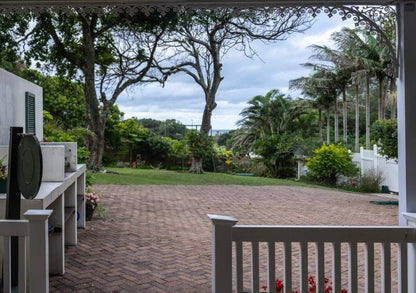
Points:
(31, 3)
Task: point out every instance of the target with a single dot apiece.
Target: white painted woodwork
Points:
(34, 229)
(336, 266)
(352, 268)
(320, 267)
(271, 267)
(303, 263)
(221, 253)
(239, 266)
(303, 235)
(369, 267)
(255, 284)
(386, 267)
(287, 267)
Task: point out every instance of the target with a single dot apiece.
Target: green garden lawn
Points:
(129, 176)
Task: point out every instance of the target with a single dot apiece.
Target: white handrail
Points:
(35, 229)
(225, 231)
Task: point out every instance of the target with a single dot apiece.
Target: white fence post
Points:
(39, 250)
(375, 158)
(362, 160)
(222, 253)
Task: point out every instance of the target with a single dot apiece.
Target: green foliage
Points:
(329, 161)
(172, 128)
(62, 98)
(199, 144)
(54, 133)
(370, 181)
(277, 153)
(385, 132)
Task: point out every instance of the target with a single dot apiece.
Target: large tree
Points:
(203, 38)
(107, 52)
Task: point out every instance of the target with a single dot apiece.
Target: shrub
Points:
(330, 161)
(370, 181)
(385, 132)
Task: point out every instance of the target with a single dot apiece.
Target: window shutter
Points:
(30, 113)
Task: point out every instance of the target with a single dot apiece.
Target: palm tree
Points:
(342, 68)
(367, 56)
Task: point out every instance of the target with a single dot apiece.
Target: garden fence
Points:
(370, 161)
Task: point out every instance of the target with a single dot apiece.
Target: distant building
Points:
(21, 104)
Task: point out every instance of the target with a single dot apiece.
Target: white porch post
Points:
(39, 250)
(406, 98)
(222, 253)
(406, 94)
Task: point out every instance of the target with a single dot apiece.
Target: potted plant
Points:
(92, 201)
(3, 177)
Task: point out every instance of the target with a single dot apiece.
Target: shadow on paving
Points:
(158, 238)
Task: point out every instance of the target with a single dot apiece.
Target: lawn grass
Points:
(129, 176)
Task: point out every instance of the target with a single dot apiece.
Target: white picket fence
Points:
(354, 253)
(371, 161)
(33, 268)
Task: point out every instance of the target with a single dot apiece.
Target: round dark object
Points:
(29, 166)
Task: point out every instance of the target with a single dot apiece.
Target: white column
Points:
(39, 250)
(406, 94)
(222, 253)
(406, 100)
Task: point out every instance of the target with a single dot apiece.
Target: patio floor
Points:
(158, 238)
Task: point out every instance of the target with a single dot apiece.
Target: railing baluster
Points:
(369, 267)
(271, 273)
(386, 267)
(336, 266)
(22, 265)
(303, 263)
(255, 284)
(239, 266)
(402, 267)
(320, 266)
(352, 268)
(288, 267)
(7, 278)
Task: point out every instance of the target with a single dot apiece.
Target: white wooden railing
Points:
(225, 232)
(34, 229)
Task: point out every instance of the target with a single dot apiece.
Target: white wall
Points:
(12, 104)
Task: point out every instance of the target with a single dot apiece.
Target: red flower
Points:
(344, 291)
(279, 285)
(264, 288)
(326, 280)
(328, 289)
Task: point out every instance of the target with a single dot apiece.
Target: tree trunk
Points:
(328, 126)
(95, 122)
(380, 99)
(357, 120)
(321, 135)
(393, 103)
(210, 105)
(344, 116)
(196, 167)
(336, 122)
(367, 112)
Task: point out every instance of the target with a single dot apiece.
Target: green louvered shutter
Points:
(30, 113)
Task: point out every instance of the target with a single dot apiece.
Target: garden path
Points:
(158, 238)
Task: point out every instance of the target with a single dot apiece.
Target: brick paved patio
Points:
(158, 238)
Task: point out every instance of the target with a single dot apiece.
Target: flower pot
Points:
(89, 212)
(3, 185)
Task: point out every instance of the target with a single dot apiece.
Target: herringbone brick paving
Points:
(158, 238)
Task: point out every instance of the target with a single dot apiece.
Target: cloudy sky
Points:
(244, 78)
